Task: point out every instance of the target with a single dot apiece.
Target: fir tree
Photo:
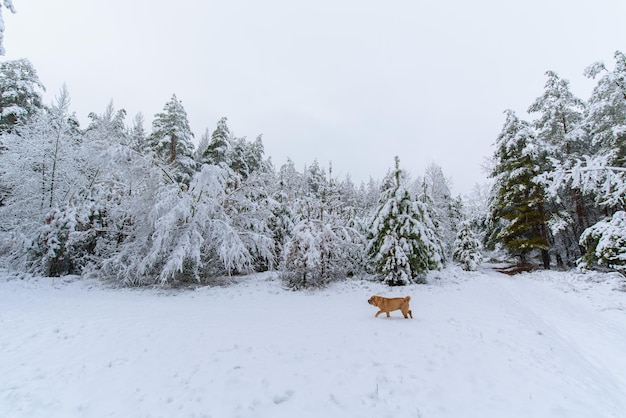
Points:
(403, 242)
(467, 248)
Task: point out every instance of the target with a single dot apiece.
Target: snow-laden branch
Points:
(9, 5)
(592, 175)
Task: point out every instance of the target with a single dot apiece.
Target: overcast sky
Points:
(354, 82)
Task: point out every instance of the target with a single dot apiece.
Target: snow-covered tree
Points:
(600, 171)
(606, 244)
(137, 135)
(9, 5)
(190, 233)
(20, 93)
(606, 111)
(222, 147)
(467, 248)
(216, 151)
(518, 205)
(319, 252)
(321, 247)
(403, 242)
(560, 134)
(171, 139)
(446, 211)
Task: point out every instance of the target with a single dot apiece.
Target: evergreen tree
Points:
(9, 5)
(606, 244)
(606, 113)
(446, 212)
(467, 248)
(43, 172)
(21, 93)
(517, 207)
(321, 247)
(171, 139)
(138, 136)
(217, 149)
(403, 242)
(561, 136)
(110, 125)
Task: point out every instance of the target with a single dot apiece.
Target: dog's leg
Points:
(410, 314)
(387, 314)
(378, 313)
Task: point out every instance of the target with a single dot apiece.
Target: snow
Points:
(482, 344)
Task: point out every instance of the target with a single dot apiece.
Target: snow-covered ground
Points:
(482, 345)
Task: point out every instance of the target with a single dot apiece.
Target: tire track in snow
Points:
(577, 335)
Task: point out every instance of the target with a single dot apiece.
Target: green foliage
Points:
(20, 96)
(606, 244)
(403, 243)
(517, 207)
(467, 248)
(171, 140)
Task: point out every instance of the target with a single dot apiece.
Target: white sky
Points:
(354, 82)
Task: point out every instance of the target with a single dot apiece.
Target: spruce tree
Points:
(403, 243)
(467, 248)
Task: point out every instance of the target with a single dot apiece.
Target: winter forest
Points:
(141, 206)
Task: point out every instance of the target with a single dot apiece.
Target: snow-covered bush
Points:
(319, 253)
(182, 233)
(67, 242)
(467, 248)
(606, 244)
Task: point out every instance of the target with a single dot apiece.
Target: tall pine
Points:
(561, 134)
(518, 199)
(171, 139)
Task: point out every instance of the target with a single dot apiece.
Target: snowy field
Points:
(481, 345)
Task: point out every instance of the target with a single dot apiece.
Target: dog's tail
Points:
(408, 298)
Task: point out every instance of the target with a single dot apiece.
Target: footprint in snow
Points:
(278, 399)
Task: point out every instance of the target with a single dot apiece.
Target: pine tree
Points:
(467, 248)
(562, 137)
(217, 149)
(403, 243)
(21, 93)
(606, 113)
(171, 140)
(517, 207)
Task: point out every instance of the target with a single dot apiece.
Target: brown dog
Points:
(387, 305)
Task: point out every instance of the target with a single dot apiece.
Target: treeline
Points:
(559, 188)
(114, 201)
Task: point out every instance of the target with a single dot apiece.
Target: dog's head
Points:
(373, 300)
